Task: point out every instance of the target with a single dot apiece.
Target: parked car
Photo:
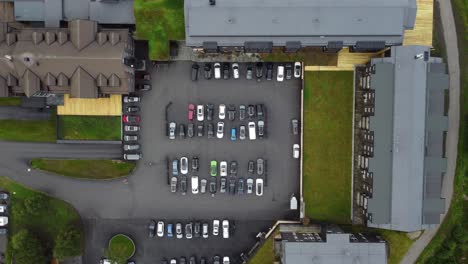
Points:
(235, 70)
(242, 112)
(233, 168)
(295, 126)
(226, 73)
(179, 233)
(172, 130)
(289, 72)
(194, 184)
(261, 129)
(252, 131)
(242, 132)
(190, 128)
(133, 109)
(173, 261)
(192, 260)
(203, 184)
(169, 230)
(220, 130)
(232, 186)
(251, 166)
(260, 166)
(188, 230)
(223, 185)
(182, 260)
(131, 147)
(184, 165)
(3, 231)
(231, 112)
(217, 70)
(251, 111)
(223, 168)
(195, 164)
(260, 111)
(215, 227)
(213, 186)
(240, 186)
(200, 130)
(3, 220)
(209, 112)
(203, 260)
(151, 228)
(160, 229)
(132, 128)
(222, 111)
(280, 73)
(131, 99)
(200, 113)
(233, 134)
(191, 112)
(210, 130)
(205, 230)
(297, 69)
(225, 228)
(131, 119)
(197, 229)
(135, 156)
(194, 74)
(226, 260)
(208, 71)
(183, 184)
(130, 138)
(259, 187)
(216, 259)
(213, 168)
(296, 151)
(259, 71)
(182, 131)
(143, 87)
(175, 167)
(249, 73)
(173, 184)
(269, 71)
(250, 185)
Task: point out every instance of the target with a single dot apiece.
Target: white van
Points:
(132, 156)
(252, 131)
(194, 184)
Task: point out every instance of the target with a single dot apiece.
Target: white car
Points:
(297, 69)
(173, 261)
(194, 184)
(3, 220)
(200, 113)
(160, 229)
(223, 168)
(296, 149)
(179, 233)
(222, 111)
(235, 70)
(226, 260)
(184, 165)
(259, 187)
(217, 70)
(252, 131)
(280, 74)
(220, 130)
(128, 128)
(172, 130)
(225, 229)
(131, 99)
(215, 227)
(250, 183)
(205, 230)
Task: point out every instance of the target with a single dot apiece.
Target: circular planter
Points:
(122, 243)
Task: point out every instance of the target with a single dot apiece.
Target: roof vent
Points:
(50, 79)
(212, 2)
(101, 38)
(62, 37)
(114, 38)
(62, 80)
(50, 37)
(10, 38)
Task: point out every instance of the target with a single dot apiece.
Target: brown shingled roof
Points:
(82, 32)
(83, 85)
(31, 83)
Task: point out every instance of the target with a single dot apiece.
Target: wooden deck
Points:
(111, 106)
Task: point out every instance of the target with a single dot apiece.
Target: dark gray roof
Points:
(312, 22)
(336, 249)
(408, 130)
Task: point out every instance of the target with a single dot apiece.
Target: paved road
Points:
(21, 113)
(450, 37)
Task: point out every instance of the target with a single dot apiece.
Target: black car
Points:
(269, 71)
(188, 230)
(223, 185)
(182, 131)
(183, 184)
(249, 73)
(200, 130)
(226, 73)
(251, 111)
(143, 87)
(152, 228)
(164, 261)
(190, 129)
(232, 186)
(133, 109)
(203, 260)
(288, 70)
(231, 112)
(259, 71)
(197, 229)
(194, 75)
(213, 186)
(209, 112)
(240, 186)
(182, 260)
(251, 166)
(210, 130)
(195, 164)
(193, 260)
(260, 112)
(295, 126)
(208, 71)
(233, 168)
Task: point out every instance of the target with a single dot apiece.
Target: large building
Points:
(83, 60)
(52, 12)
(404, 159)
(258, 25)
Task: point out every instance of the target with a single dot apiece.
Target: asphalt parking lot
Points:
(171, 86)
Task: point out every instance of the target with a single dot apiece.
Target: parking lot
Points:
(172, 92)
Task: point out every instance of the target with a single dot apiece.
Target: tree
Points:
(35, 203)
(67, 243)
(27, 249)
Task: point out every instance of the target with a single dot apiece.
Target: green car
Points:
(214, 168)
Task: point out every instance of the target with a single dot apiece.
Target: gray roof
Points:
(312, 22)
(408, 127)
(336, 249)
(52, 11)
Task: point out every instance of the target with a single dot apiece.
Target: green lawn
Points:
(159, 21)
(85, 169)
(10, 101)
(28, 130)
(89, 127)
(328, 108)
(45, 223)
(121, 248)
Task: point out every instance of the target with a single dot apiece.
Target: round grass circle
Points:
(122, 244)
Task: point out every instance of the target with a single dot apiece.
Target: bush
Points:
(67, 243)
(35, 204)
(34, 253)
(18, 210)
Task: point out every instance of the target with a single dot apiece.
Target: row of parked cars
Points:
(131, 127)
(183, 166)
(4, 199)
(243, 112)
(251, 131)
(229, 185)
(193, 260)
(189, 230)
(225, 70)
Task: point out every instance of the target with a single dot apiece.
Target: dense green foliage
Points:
(28, 249)
(67, 243)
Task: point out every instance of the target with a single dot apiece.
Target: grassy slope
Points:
(85, 169)
(159, 21)
(47, 223)
(10, 101)
(265, 254)
(456, 211)
(28, 130)
(328, 106)
(90, 127)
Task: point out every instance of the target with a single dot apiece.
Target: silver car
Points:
(260, 167)
(242, 132)
(131, 147)
(128, 128)
(130, 138)
(203, 183)
(174, 184)
(172, 130)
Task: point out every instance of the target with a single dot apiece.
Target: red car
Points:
(131, 119)
(191, 111)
